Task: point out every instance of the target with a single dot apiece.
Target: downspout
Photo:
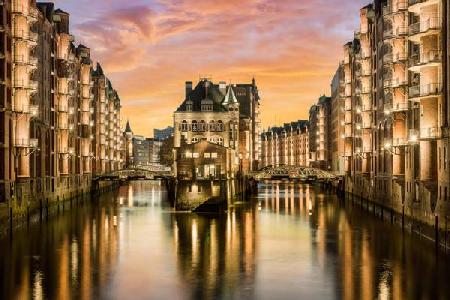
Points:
(445, 64)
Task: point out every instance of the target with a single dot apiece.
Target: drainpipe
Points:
(445, 64)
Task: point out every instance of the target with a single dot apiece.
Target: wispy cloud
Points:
(150, 47)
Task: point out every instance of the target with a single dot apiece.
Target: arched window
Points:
(220, 141)
(194, 126)
(195, 139)
(202, 126)
(212, 126)
(219, 125)
(184, 126)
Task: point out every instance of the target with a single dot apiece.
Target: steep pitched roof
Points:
(205, 89)
(230, 97)
(128, 127)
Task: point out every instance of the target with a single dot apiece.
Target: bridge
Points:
(304, 174)
(136, 173)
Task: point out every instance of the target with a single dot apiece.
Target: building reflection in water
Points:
(216, 255)
(367, 259)
(292, 241)
(66, 257)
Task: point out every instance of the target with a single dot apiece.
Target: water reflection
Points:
(292, 242)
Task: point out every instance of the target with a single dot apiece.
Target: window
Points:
(207, 155)
(213, 155)
(202, 126)
(194, 126)
(184, 126)
(195, 155)
(212, 126)
(189, 105)
(188, 155)
(219, 125)
(195, 139)
(207, 105)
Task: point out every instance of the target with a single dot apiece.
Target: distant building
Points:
(141, 151)
(162, 134)
(154, 150)
(319, 132)
(209, 113)
(128, 136)
(286, 145)
(224, 115)
(337, 121)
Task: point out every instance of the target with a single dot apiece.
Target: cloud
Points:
(150, 47)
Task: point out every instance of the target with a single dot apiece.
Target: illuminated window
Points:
(213, 155)
(195, 155)
(207, 155)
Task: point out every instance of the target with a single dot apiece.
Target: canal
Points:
(292, 241)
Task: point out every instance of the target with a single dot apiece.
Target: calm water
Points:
(292, 242)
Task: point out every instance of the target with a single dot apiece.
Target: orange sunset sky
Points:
(149, 48)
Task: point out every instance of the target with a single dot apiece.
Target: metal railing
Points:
(396, 142)
(399, 106)
(425, 90)
(426, 57)
(388, 58)
(400, 56)
(26, 143)
(424, 26)
(430, 132)
(25, 84)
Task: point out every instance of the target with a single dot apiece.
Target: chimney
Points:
(223, 87)
(188, 88)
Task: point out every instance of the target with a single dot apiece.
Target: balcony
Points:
(30, 109)
(399, 142)
(26, 84)
(398, 82)
(26, 143)
(431, 58)
(400, 57)
(400, 107)
(33, 14)
(430, 133)
(366, 108)
(19, 7)
(401, 31)
(388, 33)
(415, 5)
(425, 27)
(366, 149)
(426, 90)
(388, 58)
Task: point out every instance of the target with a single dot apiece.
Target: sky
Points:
(149, 48)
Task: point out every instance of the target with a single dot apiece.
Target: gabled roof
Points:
(230, 97)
